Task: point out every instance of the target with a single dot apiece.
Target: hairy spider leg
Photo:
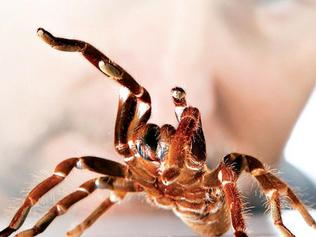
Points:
(95, 164)
(99, 60)
(130, 89)
(119, 186)
(134, 108)
(187, 153)
(90, 220)
(132, 115)
(272, 187)
(228, 179)
(126, 111)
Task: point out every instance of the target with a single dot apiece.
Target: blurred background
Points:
(249, 66)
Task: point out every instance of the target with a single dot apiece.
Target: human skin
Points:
(249, 80)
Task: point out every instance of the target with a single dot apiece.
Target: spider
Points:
(166, 163)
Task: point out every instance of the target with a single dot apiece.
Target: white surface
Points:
(300, 149)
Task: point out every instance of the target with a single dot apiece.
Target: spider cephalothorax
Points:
(168, 164)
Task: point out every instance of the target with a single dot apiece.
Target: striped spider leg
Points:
(114, 172)
(273, 188)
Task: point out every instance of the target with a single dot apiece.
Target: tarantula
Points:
(167, 164)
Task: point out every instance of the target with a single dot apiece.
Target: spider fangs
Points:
(166, 163)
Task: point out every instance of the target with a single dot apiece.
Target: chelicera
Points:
(167, 164)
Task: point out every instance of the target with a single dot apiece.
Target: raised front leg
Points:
(134, 107)
(95, 164)
(98, 59)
